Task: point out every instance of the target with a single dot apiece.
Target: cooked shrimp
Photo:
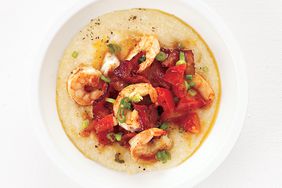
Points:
(134, 91)
(203, 87)
(110, 63)
(143, 146)
(151, 46)
(83, 84)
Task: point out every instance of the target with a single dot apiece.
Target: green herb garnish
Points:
(74, 54)
(187, 86)
(114, 48)
(192, 92)
(163, 156)
(189, 77)
(84, 124)
(136, 98)
(181, 60)
(161, 56)
(125, 103)
(142, 59)
(164, 126)
(110, 100)
(105, 79)
(118, 136)
(110, 137)
(121, 115)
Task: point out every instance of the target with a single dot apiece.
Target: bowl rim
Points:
(211, 16)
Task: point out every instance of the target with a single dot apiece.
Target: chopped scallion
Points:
(161, 56)
(164, 126)
(189, 77)
(142, 59)
(163, 156)
(120, 115)
(187, 86)
(114, 48)
(125, 103)
(181, 60)
(110, 100)
(192, 84)
(192, 92)
(136, 98)
(74, 54)
(110, 137)
(85, 124)
(118, 136)
(105, 79)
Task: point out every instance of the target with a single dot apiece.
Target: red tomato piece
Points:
(191, 123)
(165, 99)
(189, 103)
(179, 90)
(175, 75)
(104, 124)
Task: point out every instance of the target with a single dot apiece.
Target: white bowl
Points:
(215, 148)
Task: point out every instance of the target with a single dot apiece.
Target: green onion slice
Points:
(84, 124)
(74, 54)
(105, 79)
(110, 100)
(142, 59)
(161, 56)
(189, 77)
(136, 98)
(164, 126)
(110, 137)
(120, 115)
(114, 48)
(181, 60)
(187, 86)
(192, 84)
(163, 156)
(192, 92)
(125, 103)
(118, 136)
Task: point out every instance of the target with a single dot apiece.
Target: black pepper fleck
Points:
(144, 169)
(131, 18)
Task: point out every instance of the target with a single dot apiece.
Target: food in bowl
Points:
(137, 90)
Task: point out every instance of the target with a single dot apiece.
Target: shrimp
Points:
(110, 63)
(203, 87)
(151, 46)
(83, 85)
(142, 145)
(132, 92)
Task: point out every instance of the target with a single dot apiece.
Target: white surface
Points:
(256, 160)
(219, 142)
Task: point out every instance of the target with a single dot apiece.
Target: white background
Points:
(256, 160)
